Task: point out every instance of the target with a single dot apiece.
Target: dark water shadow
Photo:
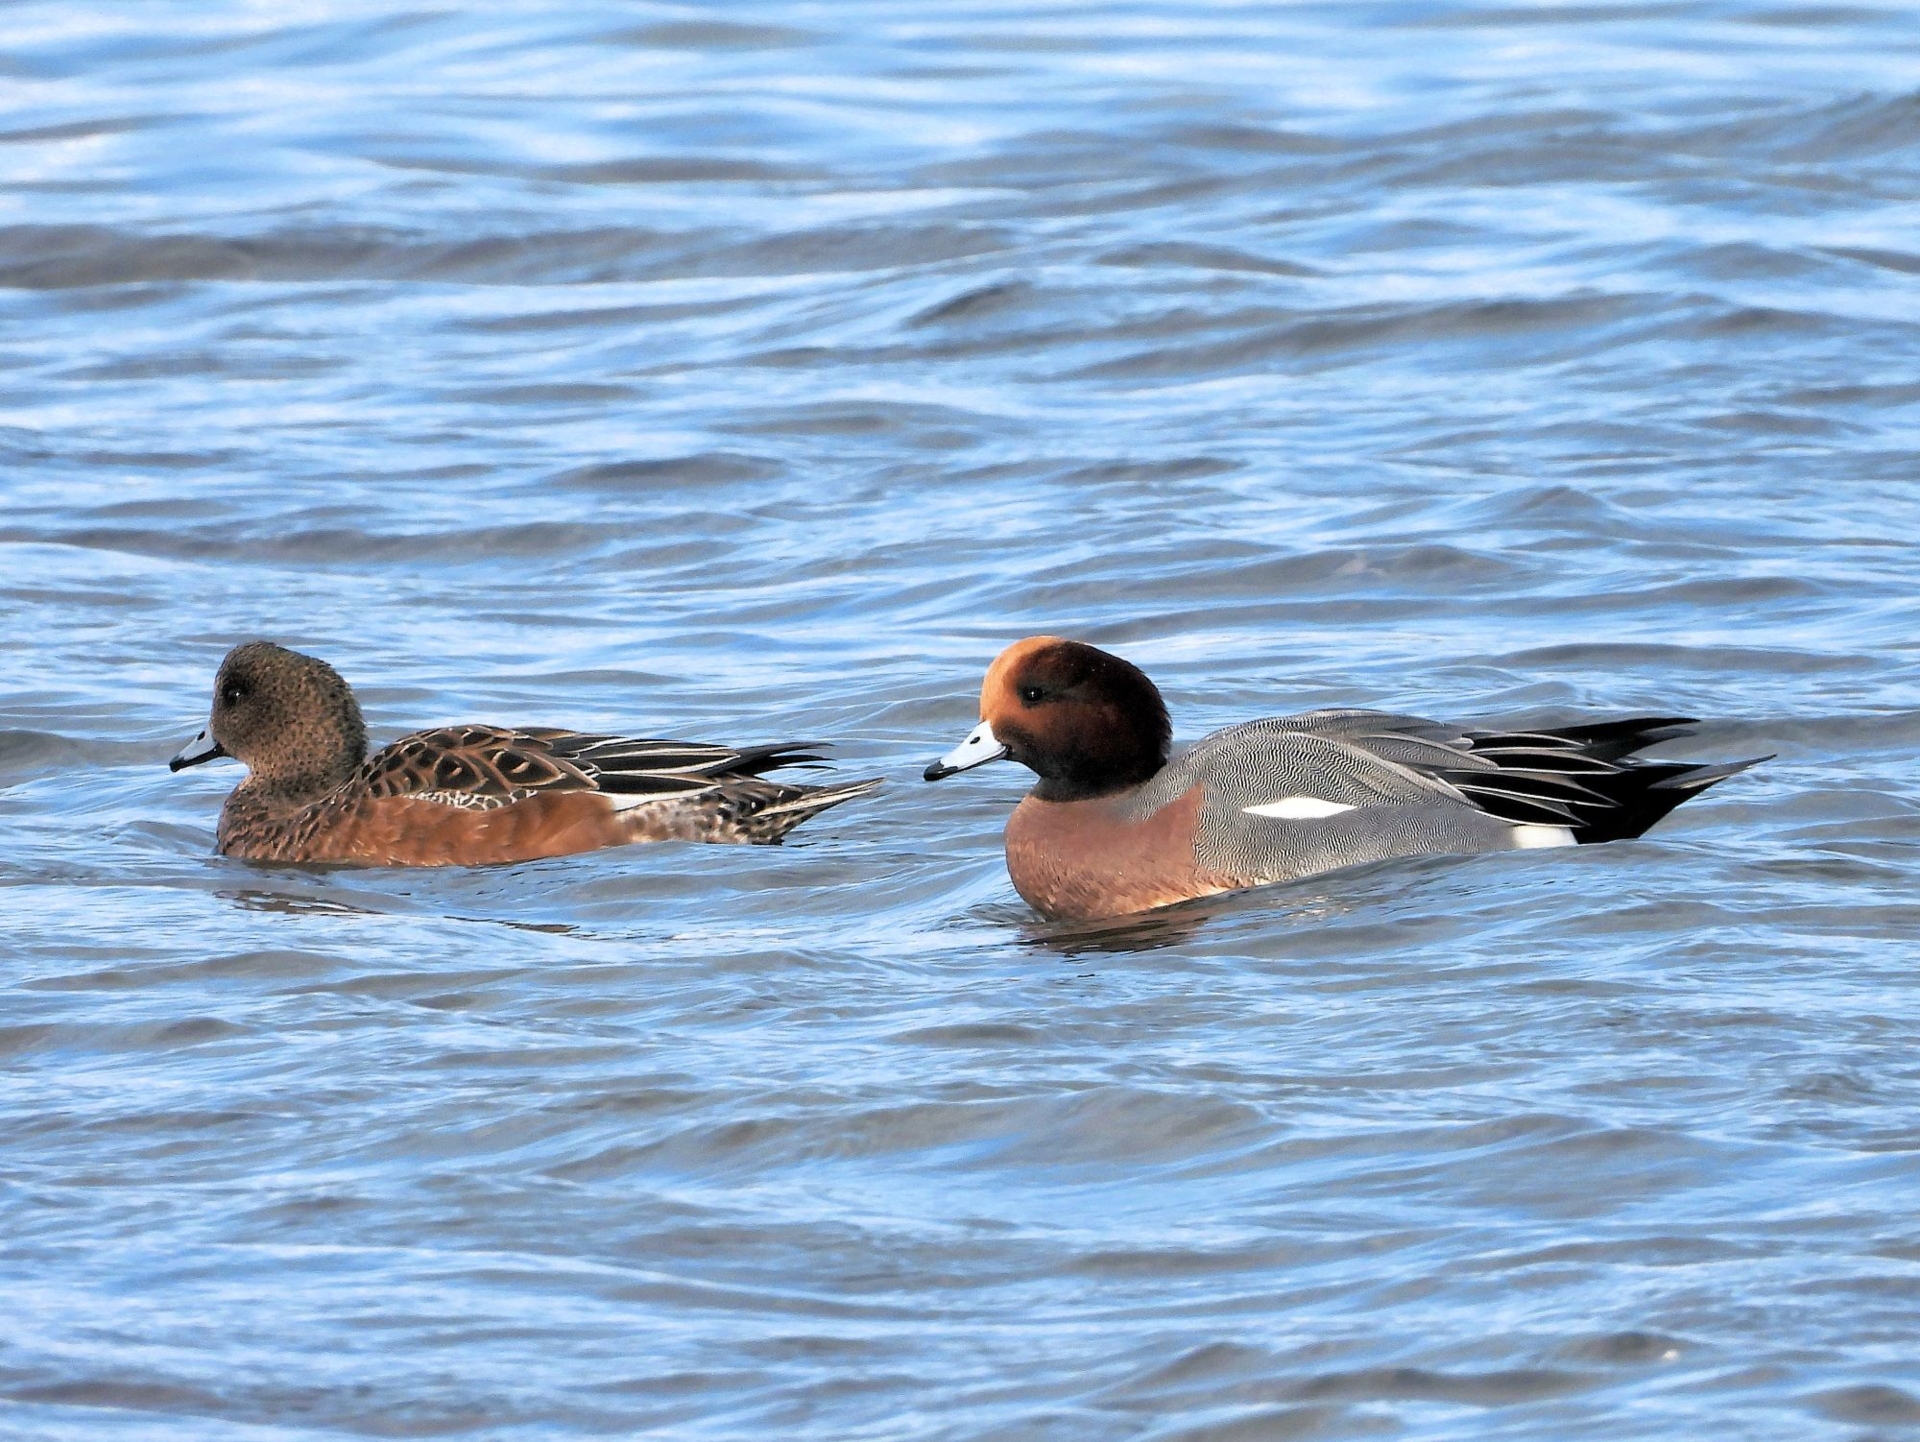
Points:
(283, 903)
(1141, 931)
(290, 903)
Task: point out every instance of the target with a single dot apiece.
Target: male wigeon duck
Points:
(467, 795)
(1117, 825)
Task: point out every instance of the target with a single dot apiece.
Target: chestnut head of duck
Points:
(1081, 719)
(289, 717)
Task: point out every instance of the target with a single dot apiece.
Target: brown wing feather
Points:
(482, 767)
(474, 767)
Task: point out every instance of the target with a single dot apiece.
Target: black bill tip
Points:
(202, 748)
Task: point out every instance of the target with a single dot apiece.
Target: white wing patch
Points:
(1529, 836)
(1299, 808)
(622, 801)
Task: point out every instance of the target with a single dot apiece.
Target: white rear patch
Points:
(1531, 837)
(620, 801)
(1298, 808)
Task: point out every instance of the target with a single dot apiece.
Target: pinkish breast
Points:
(1078, 860)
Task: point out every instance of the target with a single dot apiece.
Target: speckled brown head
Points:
(289, 717)
(1084, 721)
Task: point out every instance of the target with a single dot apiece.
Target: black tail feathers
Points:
(1644, 791)
(1583, 777)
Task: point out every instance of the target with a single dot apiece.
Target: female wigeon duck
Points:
(1116, 825)
(467, 795)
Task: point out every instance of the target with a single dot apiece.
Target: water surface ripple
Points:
(757, 371)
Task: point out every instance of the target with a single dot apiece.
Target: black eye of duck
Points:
(1032, 695)
(231, 693)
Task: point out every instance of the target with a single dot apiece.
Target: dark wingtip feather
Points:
(1599, 740)
(1699, 778)
(754, 760)
(1645, 792)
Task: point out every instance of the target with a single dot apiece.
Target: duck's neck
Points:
(1090, 785)
(279, 790)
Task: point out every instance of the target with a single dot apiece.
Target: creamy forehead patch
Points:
(997, 686)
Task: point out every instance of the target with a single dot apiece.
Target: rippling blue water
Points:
(757, 371)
